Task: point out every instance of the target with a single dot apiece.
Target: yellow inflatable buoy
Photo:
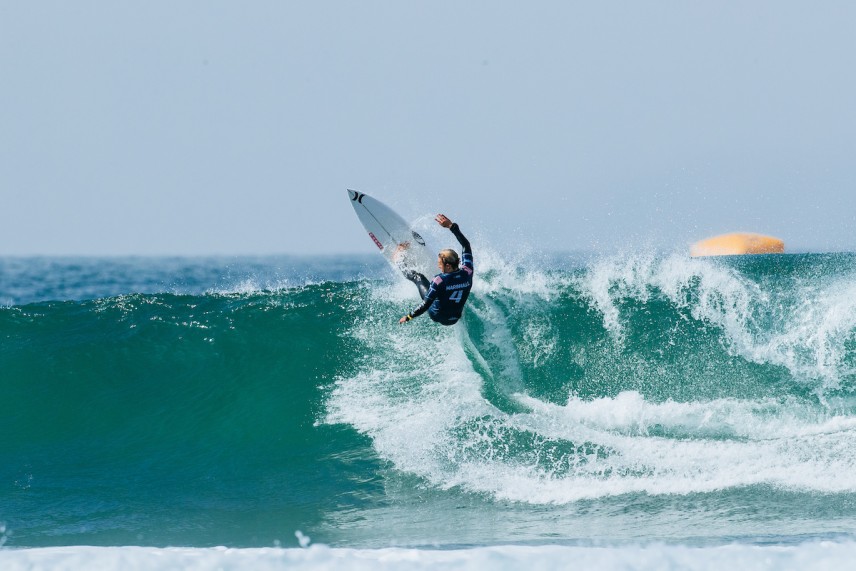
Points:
(736, 244)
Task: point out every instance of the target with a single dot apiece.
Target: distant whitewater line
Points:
(826, 555)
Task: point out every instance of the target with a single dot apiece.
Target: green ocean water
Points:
(637, 397)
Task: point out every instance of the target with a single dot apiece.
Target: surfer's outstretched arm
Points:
(466, 249)
(443, 221)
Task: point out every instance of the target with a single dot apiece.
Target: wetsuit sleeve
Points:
(467, 251)
(429, 298)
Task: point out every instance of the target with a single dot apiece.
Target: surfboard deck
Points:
(398, 242)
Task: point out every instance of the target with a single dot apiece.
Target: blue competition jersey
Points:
(450, 293)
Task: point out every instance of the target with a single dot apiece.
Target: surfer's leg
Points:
(422, 283)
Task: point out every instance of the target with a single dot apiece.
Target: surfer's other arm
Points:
(426, 303)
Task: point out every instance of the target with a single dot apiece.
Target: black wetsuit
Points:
(444, 297)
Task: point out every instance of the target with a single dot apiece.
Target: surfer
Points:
(444, 297)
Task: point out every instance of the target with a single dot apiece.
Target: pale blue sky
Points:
(235, 128)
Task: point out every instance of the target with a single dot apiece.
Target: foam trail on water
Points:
(801, 457)
(630, 414)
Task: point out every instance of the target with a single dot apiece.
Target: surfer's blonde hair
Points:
(450, 257)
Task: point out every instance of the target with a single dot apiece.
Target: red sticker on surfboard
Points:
(376, 241)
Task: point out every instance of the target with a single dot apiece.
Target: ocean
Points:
(630, 411)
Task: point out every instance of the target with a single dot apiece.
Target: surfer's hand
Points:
(443, 221)
(404, 319)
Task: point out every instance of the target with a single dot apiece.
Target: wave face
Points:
(625, 398)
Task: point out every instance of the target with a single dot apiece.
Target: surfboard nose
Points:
(356, 196)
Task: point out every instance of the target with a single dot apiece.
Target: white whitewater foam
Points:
(818, 555)
(724, 297)
(806, 455)
(805, 328)
(419, 399)
(630, 414)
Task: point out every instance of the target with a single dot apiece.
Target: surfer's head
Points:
(448, 258)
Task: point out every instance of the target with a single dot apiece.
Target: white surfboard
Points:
(400, 244)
